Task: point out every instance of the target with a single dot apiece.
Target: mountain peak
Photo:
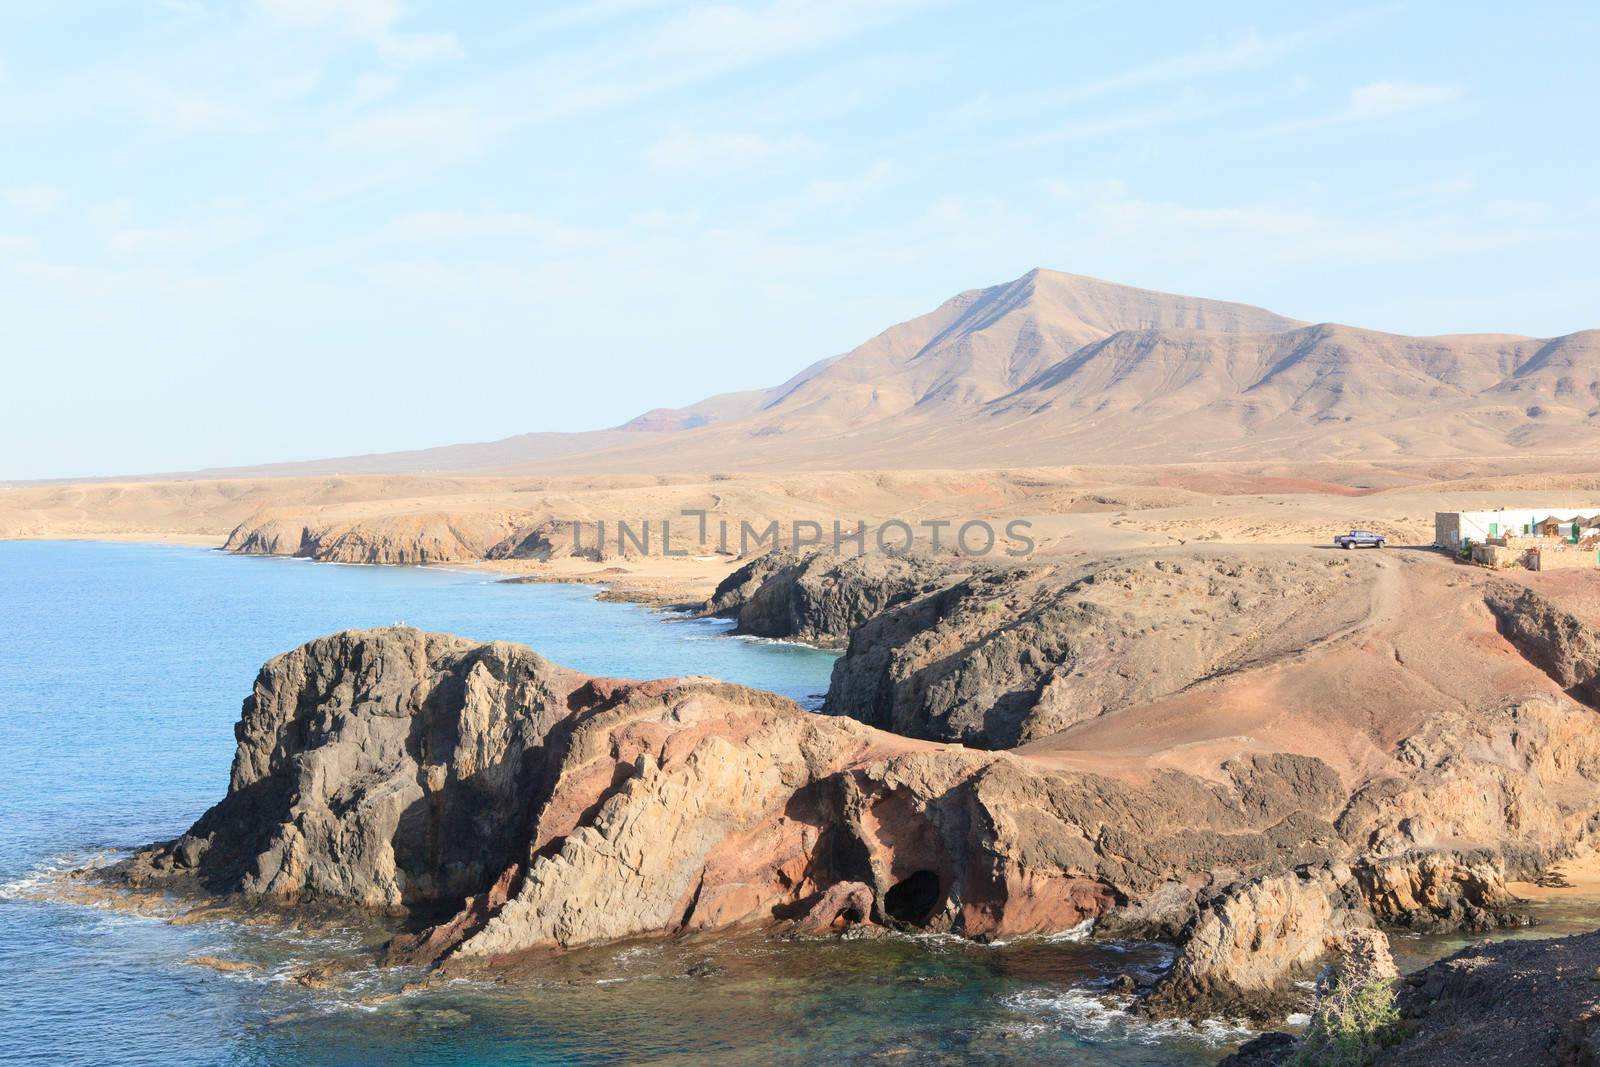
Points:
(1053, 367)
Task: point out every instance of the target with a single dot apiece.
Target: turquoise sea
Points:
(122, 668)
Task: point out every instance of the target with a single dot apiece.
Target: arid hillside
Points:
(1055, 368)
(523, 524)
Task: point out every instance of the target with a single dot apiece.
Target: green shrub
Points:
(1350, 1027)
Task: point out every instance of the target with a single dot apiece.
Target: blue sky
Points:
(279, 229)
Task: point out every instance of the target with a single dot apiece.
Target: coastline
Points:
(147, 537)
(648, 573)
(651, 580)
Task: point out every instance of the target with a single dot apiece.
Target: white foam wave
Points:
(1099, 1017)
(1074, 935)
(40, 882)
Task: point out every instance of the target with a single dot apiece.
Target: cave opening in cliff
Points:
(912, 899)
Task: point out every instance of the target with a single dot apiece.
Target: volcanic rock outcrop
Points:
(413, 772)
(1532, 1003)
(1565, 646)
(1251, 946)
(411, 538)
(530, 806)
(552, 539)
(1002, 655)
(1525, 1002)
(820, 597)
(396, 539)
(1221, 969)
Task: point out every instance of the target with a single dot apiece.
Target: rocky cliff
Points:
(535, 807)
(415, 772)
(396, 769)
(396, 539)
(1220, 969)
(820, 597)
(1006, 655)
(992, 654)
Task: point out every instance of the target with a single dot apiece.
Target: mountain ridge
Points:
(1052, 368)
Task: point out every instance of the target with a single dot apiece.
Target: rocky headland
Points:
(421, 538)
(820, 598)
(994, 654)
(1199, 782)
(409, 772)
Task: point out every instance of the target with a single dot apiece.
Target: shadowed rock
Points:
(418, 773)
(1523, 1002)
(507, 804)
(1531, 1003)
(1005, 656)
(1560, 643)
(820, 597)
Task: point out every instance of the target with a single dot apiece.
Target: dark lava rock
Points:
(1510, 1002)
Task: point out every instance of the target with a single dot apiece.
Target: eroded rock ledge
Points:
(419, 538)
(820, 597)
(400, 770)
(993, 654)
(533, 807)
(1562, 644)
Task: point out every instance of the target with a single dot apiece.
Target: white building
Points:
(1452, 528)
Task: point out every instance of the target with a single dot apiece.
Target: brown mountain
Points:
(1059, 368)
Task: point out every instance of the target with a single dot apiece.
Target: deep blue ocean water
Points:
(122, 668)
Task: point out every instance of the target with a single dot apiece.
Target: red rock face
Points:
(395, 769)
(1037, 903)
(907, 854)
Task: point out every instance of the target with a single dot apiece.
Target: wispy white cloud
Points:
(844, 192)
(136, 240)
(457, 224)
(688, 47)
(586, 13)
(683, 151)
(370, 21)
(373, 86)
(1100, 189)
(1188, 107)
(218, 225)
(1382, 99)
(727, 33)
(444, 133)
(37, 199)
(524, 229)
(1282, 234)
(1249, 50)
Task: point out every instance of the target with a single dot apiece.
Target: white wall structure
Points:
(1451, 528)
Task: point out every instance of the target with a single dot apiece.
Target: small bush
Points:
(1350, 1027)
